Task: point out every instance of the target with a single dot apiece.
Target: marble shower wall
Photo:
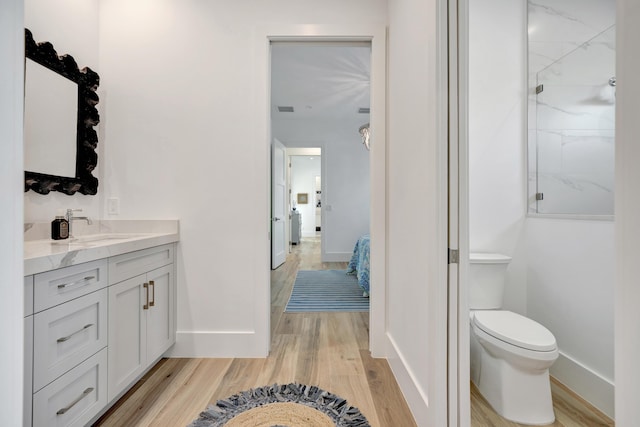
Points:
(571, 122)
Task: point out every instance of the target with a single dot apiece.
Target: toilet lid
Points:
(515, 329)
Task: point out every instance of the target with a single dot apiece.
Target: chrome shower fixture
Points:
(612, 81)
(364, 133)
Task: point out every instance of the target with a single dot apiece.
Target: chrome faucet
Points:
(71, 218)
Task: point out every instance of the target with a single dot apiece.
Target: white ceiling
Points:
(320, 80)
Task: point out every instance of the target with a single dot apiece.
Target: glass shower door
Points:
(574, 134)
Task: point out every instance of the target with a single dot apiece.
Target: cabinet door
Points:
(160, 330)
(127, 333)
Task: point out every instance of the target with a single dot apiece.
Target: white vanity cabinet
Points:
(141, 313)
(92, 329)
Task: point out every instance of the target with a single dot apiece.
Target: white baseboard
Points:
(587, 384)
(413, 394)
(238, 344)
(337, 256)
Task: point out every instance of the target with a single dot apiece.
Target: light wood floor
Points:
(324, 349)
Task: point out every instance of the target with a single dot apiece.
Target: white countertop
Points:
(101, 240)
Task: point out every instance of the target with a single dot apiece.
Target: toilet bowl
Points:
(510, 353)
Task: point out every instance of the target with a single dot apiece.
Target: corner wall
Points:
(11, 216)
(570, 290)
(497, 165)
(416, 200)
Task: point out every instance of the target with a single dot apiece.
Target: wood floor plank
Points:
(188, 394)
(391, 408)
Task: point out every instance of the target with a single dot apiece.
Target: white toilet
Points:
(510, 354)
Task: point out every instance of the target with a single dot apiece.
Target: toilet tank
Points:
(487, 272)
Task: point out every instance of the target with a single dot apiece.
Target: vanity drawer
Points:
(132, 264)
(75, 398)
(67, 334)
(62, 285)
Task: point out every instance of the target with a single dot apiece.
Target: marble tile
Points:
(576, 107)
(571, 141)
(576, 172)
(573, 194)
(591, 63)
(569, 20)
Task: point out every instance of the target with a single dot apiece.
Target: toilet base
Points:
(519, 396)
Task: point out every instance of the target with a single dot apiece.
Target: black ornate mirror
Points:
(86, 117)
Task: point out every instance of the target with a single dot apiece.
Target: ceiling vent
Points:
(363, 110)
(285, 109)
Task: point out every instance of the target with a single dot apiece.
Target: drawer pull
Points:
(146, 288)
(153, 295)
(72, 404)
(86, 279)
(85, 327)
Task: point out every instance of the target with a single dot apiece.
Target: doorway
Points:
(305, 178)
(375, 160)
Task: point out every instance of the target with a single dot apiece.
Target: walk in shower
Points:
(572, 92)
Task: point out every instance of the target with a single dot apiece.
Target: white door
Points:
(458, 213)
(127, 333)
(160, 313)
(278, 204)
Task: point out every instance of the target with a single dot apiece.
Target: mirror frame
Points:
(86, 136)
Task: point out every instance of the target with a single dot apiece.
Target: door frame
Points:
(459, 409)
(277, 145)
(376, 35)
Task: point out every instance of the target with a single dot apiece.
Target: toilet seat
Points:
(515, 329)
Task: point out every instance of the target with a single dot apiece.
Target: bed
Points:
(359, 264)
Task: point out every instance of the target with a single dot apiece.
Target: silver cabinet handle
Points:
(153, 294)
(86, 279)
(85, 327)
(72, 404)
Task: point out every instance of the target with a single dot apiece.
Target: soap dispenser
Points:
(59, 227)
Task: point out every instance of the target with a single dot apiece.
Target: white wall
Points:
(497, 165)
(416, 242)
(72, 27)
(11, 215)
(627, 226)
(346, 168)
(184, 95)
(570, 290)
(304, 170)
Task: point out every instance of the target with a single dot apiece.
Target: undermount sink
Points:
(94, 239)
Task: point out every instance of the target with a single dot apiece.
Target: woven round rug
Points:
(290, 405)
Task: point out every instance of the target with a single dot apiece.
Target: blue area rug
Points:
(326, 290)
